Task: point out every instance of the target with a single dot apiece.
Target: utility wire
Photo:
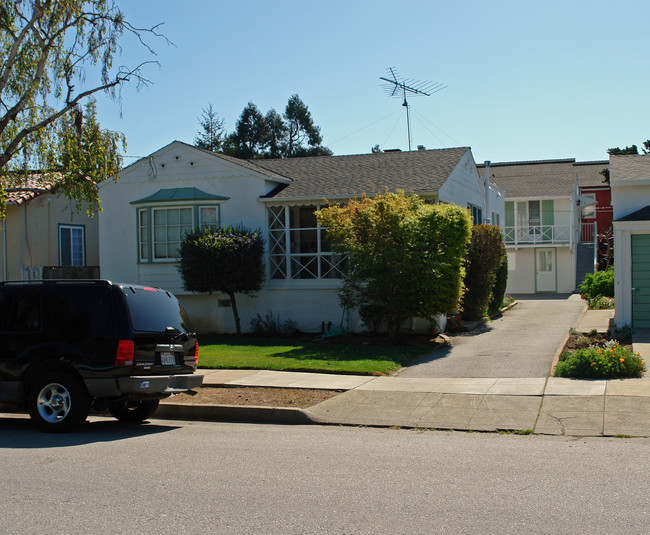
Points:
(362, 128)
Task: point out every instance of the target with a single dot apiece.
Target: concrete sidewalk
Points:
(547, 405)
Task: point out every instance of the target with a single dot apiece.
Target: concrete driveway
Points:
(522, 343)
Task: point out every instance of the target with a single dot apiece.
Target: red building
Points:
(595, 219)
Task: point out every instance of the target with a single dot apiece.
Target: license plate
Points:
(167, 359)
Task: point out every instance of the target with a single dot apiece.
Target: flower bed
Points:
(593, 356)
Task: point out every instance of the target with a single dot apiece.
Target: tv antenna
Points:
(400, 87)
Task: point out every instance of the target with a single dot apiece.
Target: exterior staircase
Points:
(585, 261)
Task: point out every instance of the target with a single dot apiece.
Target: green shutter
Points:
(548, 218)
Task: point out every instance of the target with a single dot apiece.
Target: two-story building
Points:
(549, 247)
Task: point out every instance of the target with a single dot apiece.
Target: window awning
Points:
(179, 194)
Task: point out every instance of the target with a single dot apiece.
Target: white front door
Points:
(545, 270)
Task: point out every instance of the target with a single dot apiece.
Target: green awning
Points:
(180, 194)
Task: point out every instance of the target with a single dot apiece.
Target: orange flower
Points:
(622, 360)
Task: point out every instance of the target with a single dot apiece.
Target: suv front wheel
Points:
(134, 411)
(58, 402)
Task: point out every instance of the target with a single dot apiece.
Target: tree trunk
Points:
(235, 313)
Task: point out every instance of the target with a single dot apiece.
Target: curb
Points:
(232, 413)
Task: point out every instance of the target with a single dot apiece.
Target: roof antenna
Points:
(398, 87)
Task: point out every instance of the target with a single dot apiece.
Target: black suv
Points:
(67, 346)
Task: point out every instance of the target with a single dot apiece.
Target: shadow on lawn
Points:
(348, 348)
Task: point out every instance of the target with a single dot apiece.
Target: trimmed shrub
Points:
(405, 256)
(500, 283)
(484, 256)
(225, 259)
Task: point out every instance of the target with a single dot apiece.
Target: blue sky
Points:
(526, 80)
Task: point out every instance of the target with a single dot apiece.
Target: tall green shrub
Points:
(500, 283)
(227, 260)
(599, 284)
(483, 258)
(405, 256)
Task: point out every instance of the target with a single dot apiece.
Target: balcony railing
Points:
(537, 234)
(588, 232)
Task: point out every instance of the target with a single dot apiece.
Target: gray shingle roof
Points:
(630, 167)
(545, 178)
(348, 176)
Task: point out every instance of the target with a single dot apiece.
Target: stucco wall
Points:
(32, 231)
(521, 270)
(173, 167)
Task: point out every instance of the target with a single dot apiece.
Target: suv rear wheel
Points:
(134, 411)
(58, 402)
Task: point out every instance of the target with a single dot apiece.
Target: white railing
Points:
(537, 234)
(588, 232)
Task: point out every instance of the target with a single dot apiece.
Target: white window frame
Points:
(214, 207)
(144, 242)
(167, 242)
(81, 246)
(287, 264)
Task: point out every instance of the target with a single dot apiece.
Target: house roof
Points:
(180, 194)
(630, 167)
(23, 189)
(545, 178)
(640, 215)
(589, 173)
(423, 171)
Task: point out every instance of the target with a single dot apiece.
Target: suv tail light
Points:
(196, 353)
(124, 353)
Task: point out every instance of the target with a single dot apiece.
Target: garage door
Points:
(641, 280)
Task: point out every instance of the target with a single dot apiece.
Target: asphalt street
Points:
(172, 477)
(522, 343)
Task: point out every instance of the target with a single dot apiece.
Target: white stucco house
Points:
(630, 183)
(43, 235)
(546, 243)
(179, 187)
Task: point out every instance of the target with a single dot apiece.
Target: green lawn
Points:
(293, 355)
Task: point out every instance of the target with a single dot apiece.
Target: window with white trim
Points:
(143, 235)
(298, 247)
(169, 226)
(161, 229)
(71, 245)
(208, 217)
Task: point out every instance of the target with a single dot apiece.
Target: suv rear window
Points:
(153, 310)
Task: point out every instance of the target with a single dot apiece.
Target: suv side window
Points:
(20, 311)
(81, 311)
